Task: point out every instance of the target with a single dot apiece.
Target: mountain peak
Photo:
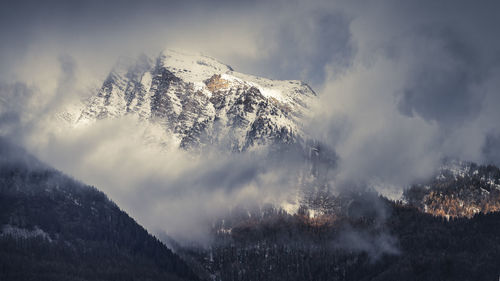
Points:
(181, 62)
(202, 101)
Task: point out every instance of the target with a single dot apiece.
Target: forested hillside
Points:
(460, 189)
(403, 244)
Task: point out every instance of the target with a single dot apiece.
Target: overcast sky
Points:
(401, 84)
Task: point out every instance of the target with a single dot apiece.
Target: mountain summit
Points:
(202, 101)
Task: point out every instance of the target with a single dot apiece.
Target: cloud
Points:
(374, 244)
(420, 87)
(166, 188)
(358, 115)
(14, 101)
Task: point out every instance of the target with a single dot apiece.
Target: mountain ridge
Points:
(202, 102)
(459, 189)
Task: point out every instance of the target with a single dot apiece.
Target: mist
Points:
(401, 86)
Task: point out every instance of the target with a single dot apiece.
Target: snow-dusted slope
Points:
(202, 101)
(460, 189)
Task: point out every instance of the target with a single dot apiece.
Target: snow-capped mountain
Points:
(202, 101)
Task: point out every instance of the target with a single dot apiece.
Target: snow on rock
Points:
(200, 101)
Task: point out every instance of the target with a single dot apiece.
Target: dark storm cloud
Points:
(298, 44)
(288, 39)
(445, 84)
(422, 85)
(450, 48)
(442, 86)
(459, 56)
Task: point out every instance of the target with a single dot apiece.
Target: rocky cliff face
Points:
(202, 102)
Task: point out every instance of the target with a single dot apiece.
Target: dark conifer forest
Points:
(55, 228)
(407, 245)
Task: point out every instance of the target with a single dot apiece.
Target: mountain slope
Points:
(202, 102)
(460, 189)
(54, 228)
(405, 245)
